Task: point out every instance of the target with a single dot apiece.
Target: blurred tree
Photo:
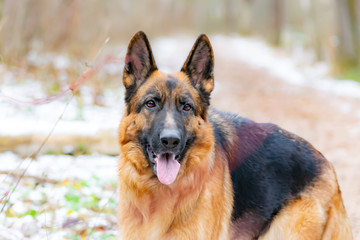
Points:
(245, 17)
(229, 16)
(348, 30)
(276, 22)
(317, 30)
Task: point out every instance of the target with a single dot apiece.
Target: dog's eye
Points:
(187, 107)
(150, 104)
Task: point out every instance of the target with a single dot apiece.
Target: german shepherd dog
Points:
(187, 171)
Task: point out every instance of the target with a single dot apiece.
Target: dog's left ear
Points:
(199, 65)
(139, 62)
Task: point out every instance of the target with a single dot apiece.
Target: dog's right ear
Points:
(139, 62)
(199, 66)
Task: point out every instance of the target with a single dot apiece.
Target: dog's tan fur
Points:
(318, 213)
(149, 210)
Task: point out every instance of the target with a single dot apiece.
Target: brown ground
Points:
(311, 114)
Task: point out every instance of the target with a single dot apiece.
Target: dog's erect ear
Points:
(139, 61)
(199, 65)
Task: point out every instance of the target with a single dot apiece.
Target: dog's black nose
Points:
(170, 138)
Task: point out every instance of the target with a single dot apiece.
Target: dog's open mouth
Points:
(165, 166)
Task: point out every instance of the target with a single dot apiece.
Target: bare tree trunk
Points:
(229, 16)
(245, 17)
(276, 22)
(348, 34)
(12, 36)
(317, 34)
(357, 11)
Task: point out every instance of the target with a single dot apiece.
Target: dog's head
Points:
(165, 129)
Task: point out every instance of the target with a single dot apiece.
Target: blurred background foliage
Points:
(330, 28)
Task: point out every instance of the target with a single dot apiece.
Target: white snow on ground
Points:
(59, 167)
(84, 120)
(170, 53)
(78, 194)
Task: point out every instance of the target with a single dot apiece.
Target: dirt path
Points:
(327, 121)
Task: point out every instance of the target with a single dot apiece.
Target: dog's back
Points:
(281, 184)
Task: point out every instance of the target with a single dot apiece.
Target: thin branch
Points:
(36, 178)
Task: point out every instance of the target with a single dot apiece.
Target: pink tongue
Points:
(167, 168)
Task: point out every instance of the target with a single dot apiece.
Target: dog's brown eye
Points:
(150, 104)
(187, 107)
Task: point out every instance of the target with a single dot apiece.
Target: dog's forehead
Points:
(168, 84)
